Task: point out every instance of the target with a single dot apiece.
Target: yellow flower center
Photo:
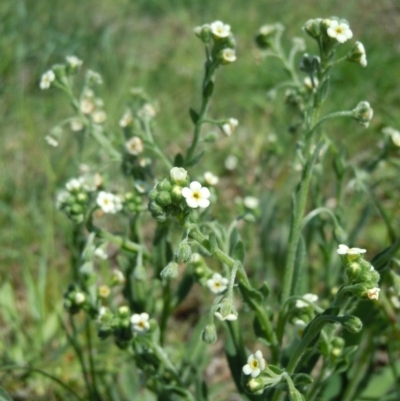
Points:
(196, 195)
(339, 30)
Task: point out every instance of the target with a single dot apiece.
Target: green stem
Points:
(332, 115)
(154, 147)
(91, 359)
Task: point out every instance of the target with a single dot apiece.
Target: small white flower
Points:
(104, 291)
(74, 61)
(117, 277)
(100, 253)
(255, 364)
(61, 198)
(228, 56)
(75, 184)
(231, 162)
(102, 311)
(251, 202)
(79, 298)
(86, 105)
(93, 77)
(362, 55)
(76, 125)
(126, 119)
(394, 134)
(395, 301)
(307, 297)
(109, 203)
(196, 257)
(99, 116)
(373, 293)
(339, 31)
(51, 140)
(345, 250)
(217, 283)
(47, 78)
(144, 162)
(134, 146)
(231, 316)
(308, 82)
(229, 126)
(140, 322)
(178, 174)
(210, 178)
(220, 30)
(196, 195)
(147, 111)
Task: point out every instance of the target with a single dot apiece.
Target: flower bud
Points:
(124, 312)
(155, 209)
(210, 137)
(309, 64)
(176, 194)
(170, 271)
(268, 34)
(351, 323)
(225, 310)
(209, 334)
(178, 175)
(60, 72)
(227, 56)
(164, 185)
(153, 194)
(184, 252)
(363, 113)
(353, 270)
(357, 54)
(312, 28)
(164, 198)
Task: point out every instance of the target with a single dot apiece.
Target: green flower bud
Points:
(60, 72)
(155, 209)
(312, 28)
(353, 271)
(210, 137)
(184, 252)
(161, 218)
(164, 185)
(179, 176)
(124, 312)
(351, 323)
(357, 54)
(164, 198)
(82, 197)
(153, 194)
(76, 209)
(268, 34)
(363, 113)
(309, 64)
(170, 271)
(209, 334)
(176, 194)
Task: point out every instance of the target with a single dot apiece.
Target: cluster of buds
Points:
(360, 273)
(363, 113)
(132, 203)
(74, 299)
(269, 35)
(74, 201)
(219, 34)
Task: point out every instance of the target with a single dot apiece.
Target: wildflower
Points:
(178, 174)
(93, 77)
(196, 195)
(231, 162)
(251, 202)
(373, 293)
(357, 54)
(134, 146)
(228, 56)
(229, 126)
(345, 250)
(147, 111)
(225, 310)
(210, 178)
(79, 298)
(108, 202)
(312, 27)
(104, 291)
(99, 116)
(117, 277)
(140, 322)
(196, 257)
(73, 61)
(86, 105)
(51, 140)
(307, 297)
(47, 78)
(76, 125)
(75, 184)
(217, 283)
(309, 84)
(203, 32)
(126, 119)
(100, 253)
(394, 134)
(268, 35)
(220, 30)
(255, 364)
(339, 31)
(170, 272)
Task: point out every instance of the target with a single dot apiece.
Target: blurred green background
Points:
(146, 43)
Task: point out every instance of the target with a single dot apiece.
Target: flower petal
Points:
(186, 192)
(203, 203)
(205, 192)
(192, 202)
(195, 185)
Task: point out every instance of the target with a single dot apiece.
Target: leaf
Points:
(250, 295)
(239, 251)
(194, 160)
(4, 396)
(179, 160)
(265, 290)
(194, 116)
(209, 89)
(233, 240)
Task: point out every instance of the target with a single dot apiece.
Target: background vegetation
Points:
(146, 43)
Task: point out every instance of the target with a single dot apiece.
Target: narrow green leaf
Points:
(239, 251)
(194, 116)
(4, 396)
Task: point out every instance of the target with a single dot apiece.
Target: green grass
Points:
(147, 43)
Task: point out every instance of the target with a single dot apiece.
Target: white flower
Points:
(363, 56)
(51, 140)
(178, 174)
(196, 195)
(394, 134)
(99, 116)
(93, 77)
(100, 253)
(47, 78)
(61, 198)
(307, 297)
(86, 105)
(109, 203)
(117, 277)
(220, 30)
(210, 178)
(308, 82)
(231, 162)
(104, 291)
(126, 119)
(76, 125)
(339, 31)
(373, 293)
(74, 61)
(345, 250)
(395, 301)
(251, 202)
(134, 146)
(228, 56)
(140, 322)
(255, 364)
(147, 111)
(217, 283)
(231, 316)
(79, 298)
(196, 257)
(75, 184)
(229, 126)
